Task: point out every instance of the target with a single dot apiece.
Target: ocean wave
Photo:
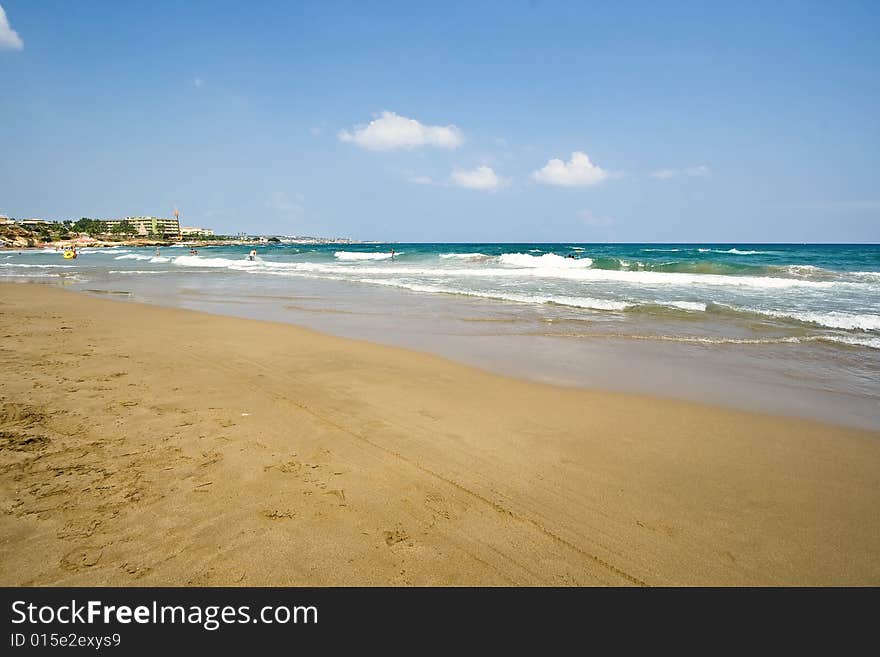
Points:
(358, 255)
(854, 340)
(833, 319)
(141, 271)
(548, 266)
(465, 256)
(589, 303)
(546, 261)
(575, 302)
(697, 306)
(110, 250)
(865, 275)
(133, 256)
(735, 251)
(215, 263)
(873, 343)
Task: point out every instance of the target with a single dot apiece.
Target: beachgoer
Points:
(392, 254)
(158, 253)
(252, 255)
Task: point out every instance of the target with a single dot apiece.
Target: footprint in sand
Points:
(339, 494)
(395, 536)
(441, 507)
(81, 558)
(78, 529)
(136, 571)
(20, 442)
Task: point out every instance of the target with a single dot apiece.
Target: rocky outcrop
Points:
(12, 236)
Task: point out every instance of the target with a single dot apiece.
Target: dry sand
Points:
(150, 446)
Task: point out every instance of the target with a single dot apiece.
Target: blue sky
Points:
(449, 122)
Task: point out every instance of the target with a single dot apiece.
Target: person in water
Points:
(252, 255)
(392, 254)
(193, 252)
(158, 253)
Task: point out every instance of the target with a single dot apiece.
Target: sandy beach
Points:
(142, 445)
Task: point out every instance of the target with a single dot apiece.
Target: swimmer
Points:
(252, 255)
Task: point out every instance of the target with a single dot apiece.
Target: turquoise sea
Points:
(799, 314)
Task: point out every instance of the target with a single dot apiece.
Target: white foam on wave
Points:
(110, 250)
(809, 271)
(576, 302)
(546, 261)
(141, 271)
(214, 263)
(358, 255)
(132, 256)
(854, 340)
(832, 319)
(873, 343)
(735, 251)
(665, 250)
(464, 256)
(696, 306)
(865, 275)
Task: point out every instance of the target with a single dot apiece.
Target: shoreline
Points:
(146, 445)
(776, 379)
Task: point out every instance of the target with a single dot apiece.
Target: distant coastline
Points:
(14, 235)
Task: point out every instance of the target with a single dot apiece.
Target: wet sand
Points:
(152, 446)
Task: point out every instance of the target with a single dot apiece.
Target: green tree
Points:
(124, 227)
(90, 226)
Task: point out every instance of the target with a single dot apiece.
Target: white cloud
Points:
(392, 131)
(666, 174)
(9, 38)
(482, 178)
(198, 82)
(579, 171)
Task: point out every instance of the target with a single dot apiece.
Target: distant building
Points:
(193, 230)
(34, 223)
(4, 220)
(148, 226)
